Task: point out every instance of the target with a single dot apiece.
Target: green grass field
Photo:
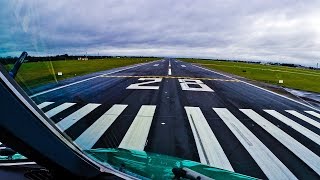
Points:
(296, 78)
(37, 73)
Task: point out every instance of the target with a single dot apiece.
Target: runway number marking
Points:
(149, 81)
(186, 84)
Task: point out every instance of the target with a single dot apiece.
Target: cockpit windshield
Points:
(147, 86)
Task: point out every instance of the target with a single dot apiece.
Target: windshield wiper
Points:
(187, 173)
(13, 72)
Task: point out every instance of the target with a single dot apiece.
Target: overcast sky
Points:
(279, 30)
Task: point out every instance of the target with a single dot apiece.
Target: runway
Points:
(179, 109)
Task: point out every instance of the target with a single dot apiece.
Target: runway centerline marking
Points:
(169, 69)
(172, 77)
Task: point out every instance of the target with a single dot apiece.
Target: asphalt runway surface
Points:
(179, 109)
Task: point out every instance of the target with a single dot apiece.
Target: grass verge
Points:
(33, 74)
(295, 78)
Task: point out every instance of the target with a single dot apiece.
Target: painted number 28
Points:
(186, 84)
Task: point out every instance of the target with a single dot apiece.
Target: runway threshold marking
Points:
(313, 114)
(307, 156)
(173, 77)
(267, 161)
(209, 149)
(296, 126)
(92, 134)
(68, 121)
(136, 136)
(44, 104)
(59, 109)
(200, 129)
(304, 118)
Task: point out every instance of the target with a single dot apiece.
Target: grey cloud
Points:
(283, 30)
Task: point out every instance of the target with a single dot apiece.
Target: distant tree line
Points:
(257, 62)
(64, 57)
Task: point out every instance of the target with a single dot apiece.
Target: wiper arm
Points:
(188, 174)
(13, 72)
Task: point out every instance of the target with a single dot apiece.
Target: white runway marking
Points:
(169, 69)
(313, 114)
(305, 118)
(149, 81)
(58, 109)
(77, 82)
(183, 66)
(267, 161)
(44, 104)
(307, 156)
(184, 83)
(156, 65)
(296, 126)
(209, 149)
(91, 135)
(136, 136)
(76, 116)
